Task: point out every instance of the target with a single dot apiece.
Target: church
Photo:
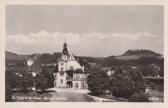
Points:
(70, 74)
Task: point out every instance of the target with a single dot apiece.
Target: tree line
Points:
(125, 83)
(24, 81)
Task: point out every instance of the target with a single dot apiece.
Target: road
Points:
(66, 95)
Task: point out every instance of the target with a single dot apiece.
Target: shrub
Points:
(138, 97)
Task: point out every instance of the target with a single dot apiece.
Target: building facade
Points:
(69, 73)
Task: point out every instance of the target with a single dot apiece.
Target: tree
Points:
(13, 80)
(121, 86)
(127, 81)
(97, 81)
(49, 77)
(44, 80)
(8, 93)
(41, 82)
(27, 81)
(138, 79)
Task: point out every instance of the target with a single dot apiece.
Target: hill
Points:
(14, 56)
(133, 57)
(136, 54)
(130, 57)
(48, 58)
(141, 52)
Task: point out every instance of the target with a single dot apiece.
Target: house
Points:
(34, 66)
(69, 72)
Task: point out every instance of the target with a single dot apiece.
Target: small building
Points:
(69, 72)
(109, 70)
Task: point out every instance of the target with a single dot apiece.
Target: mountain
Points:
(14, 56)
(133, 57)
(141, 52)
(130, 57)
(136, 54)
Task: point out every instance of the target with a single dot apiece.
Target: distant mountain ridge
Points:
(136, 54)
(52, 58)
(141, 52)
(132, 57)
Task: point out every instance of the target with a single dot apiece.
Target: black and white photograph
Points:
(84, 53)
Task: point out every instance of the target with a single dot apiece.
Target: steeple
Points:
(65, 50)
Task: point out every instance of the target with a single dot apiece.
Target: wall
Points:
(59, 78)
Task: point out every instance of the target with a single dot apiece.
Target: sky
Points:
(89, 30)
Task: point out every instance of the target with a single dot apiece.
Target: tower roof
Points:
(65, 49)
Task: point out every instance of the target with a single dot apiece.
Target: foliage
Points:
(44, 80)
(20, 81)
(49, 58)
(8, 93)
(41, 82)
(138, 97)
(13, 80)
(126, 81)
(121, 85)
(27, 81)
(137, 78)
(97, 81)
(144, 63)
(50, 78)
(152, 70)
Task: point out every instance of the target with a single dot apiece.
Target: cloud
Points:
(98, 44)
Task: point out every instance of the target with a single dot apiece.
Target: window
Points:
(62, 73)
(61, 81)
(71, 68)
(62, 69)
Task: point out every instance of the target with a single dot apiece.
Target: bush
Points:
(139, 97)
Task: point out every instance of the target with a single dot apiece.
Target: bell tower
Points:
(65, 50)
